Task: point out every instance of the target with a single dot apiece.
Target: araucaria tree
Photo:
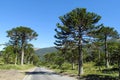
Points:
(62, 36)
(104, 34)
(22, 35)
(79, 22)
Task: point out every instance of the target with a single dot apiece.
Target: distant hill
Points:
(41, 52)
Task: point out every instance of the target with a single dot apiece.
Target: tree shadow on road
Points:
(88, 77)
(40, 73)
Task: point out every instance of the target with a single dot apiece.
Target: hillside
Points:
(41, 52)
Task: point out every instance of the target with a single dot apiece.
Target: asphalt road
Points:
(45, 74)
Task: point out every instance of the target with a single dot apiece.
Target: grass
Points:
(1, 60)
(16, 67)
(90, 71)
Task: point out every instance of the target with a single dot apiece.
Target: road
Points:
(45, 74)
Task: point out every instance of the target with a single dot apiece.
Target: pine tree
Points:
(104, 34)
(80, 22)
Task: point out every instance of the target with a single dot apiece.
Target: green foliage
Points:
(1, 60)
(54, 66)
(19, 47)
(66, 66)
(74, 30)
(103, 33)
(35, 59)
(8, 54)
(54, 58)
(16, 67)
(59, 61)
(89, 69)
(22, 33)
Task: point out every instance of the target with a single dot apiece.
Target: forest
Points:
(18, 50)
(85, 47)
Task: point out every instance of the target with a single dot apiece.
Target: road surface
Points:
(45, 74)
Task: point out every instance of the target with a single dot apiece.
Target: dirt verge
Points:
(13, 74)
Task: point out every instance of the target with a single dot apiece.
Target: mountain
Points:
(41, 52)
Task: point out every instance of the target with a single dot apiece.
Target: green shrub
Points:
(54, 67)
(66, 66)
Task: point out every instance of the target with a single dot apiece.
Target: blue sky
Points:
(42, 16)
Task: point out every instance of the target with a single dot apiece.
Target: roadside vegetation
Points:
(85, 48)
(91, 70)
(18, 53)
(15, 67)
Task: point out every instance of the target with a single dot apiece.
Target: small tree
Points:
(8, 54)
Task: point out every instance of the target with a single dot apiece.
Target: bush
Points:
(66, 66)
(54, 67)
(100, 63)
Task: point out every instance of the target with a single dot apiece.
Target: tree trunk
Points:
(31, 62)
(73, 65)
(80, 62)
(73, 61)
(22, 56)
(63, 51)
(80, 58)
(106, 54)
(28, 60)
(99, 55)
(16, 59)
(99, 59)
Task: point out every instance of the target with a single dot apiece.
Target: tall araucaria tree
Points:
(103, 34)
(23, 35)
(80, 22)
